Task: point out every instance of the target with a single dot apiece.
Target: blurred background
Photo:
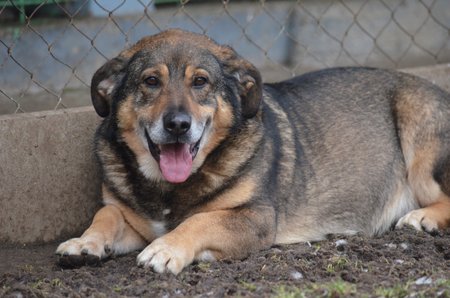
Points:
(49, 49)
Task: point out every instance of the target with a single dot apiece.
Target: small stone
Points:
(391, 245)
(424, 280)
(341, 242)
(296, 275)
(276, 250)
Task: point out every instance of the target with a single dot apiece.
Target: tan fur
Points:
(235, 156)
(432, 217)
(161, 71)
(127, 115)
(108, 223)
(235, 196)
(206, 231)
(419, 121)
(127, 122)
(426, 189)
(189, 75)
(222, 120)
(156, 109)
(115, 170)
(419, 144)
(439, 212)
(140, 224)
(108, 234)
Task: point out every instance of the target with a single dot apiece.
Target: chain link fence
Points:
(49, 49)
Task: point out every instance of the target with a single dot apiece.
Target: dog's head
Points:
(174, 97)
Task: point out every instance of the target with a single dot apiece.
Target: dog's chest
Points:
(166, 209)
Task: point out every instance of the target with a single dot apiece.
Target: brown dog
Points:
(202, 161)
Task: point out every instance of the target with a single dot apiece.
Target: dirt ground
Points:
(401, 263)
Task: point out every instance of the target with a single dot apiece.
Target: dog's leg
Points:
(435, 211)
(432, 217)
(108, 234)
(210, 236)
(424, 129)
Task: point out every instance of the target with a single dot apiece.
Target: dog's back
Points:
(364, 143)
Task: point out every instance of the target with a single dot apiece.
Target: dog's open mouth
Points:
(175, 159)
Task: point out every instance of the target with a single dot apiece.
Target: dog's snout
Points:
(177, 123)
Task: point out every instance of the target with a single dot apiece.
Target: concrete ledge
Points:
(50, 187)
(48, 177)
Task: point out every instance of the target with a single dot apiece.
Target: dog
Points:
(202, 161)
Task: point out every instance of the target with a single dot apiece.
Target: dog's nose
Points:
(177, 123)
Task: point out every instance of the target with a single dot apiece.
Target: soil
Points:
(400, 263)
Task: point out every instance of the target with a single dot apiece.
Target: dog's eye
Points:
(152, 81)
(199, 81)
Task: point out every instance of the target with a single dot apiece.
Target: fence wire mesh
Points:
(51, 48)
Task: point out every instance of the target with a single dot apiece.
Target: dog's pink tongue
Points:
(175, 162)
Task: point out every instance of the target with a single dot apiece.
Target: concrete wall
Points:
(49, 186)
(48, 178)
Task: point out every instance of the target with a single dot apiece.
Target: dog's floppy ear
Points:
(250, 82)
(103, 83)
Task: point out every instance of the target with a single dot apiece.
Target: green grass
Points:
(397, 291)
(38, 284)
(204, 266)
(440, 286)
(289, 292)
(338, 263)
(338, 288)
(248, 286)
(56, 282)
(117, 289)
(443, 283)
(27, 268)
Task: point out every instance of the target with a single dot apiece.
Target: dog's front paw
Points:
(82, 251)
(164, 256)
(419, 219)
